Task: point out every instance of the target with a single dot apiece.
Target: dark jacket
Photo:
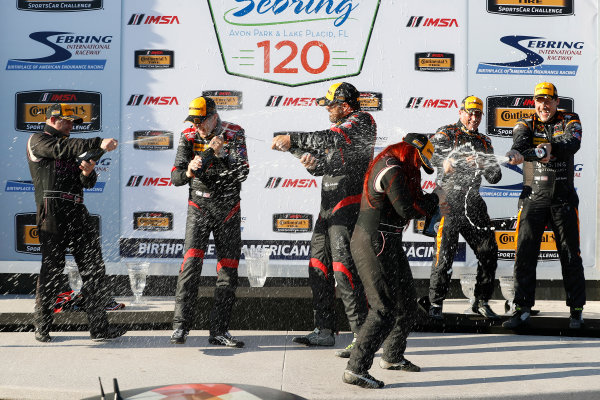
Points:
(346, 149)
(221, 175)
(56, 176)
(457, 141)
(553, 180)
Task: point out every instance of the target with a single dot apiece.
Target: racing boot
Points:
(435, 312)
(179, 336)
(225, 339)
(345, 352)
(402, 365)
(576, 318)
(363, 380)
(519, 318)
(318, 337)
(482, 308)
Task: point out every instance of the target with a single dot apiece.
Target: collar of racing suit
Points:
(53, 131)
(465, 130)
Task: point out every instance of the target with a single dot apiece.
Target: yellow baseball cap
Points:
(472, 103)
(545, 89)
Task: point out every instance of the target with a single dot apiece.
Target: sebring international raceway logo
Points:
(542, 57)
(71, 52)
(293, 43)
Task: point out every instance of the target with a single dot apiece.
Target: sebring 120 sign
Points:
(293, 43)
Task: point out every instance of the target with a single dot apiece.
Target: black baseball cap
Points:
(64, 111)
(341, 92)
(426, 149)
(201, 108)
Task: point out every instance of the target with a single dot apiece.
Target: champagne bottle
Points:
(535, 154)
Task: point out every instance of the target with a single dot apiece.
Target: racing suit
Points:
(347, 149)
(468, 212)
(382, 263)
(213, 206)
(63, 222)
(549, 198)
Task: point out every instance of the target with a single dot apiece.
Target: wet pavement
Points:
(454, 365)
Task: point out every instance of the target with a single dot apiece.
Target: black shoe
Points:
(318, 337)
(435, 312)
(345, 352)
(576, 318)
(482, 308)
(225, 339)
(179, 336)
(519, 318)
(363, 380)
(112, 332)
(43, 337)
(402, 365)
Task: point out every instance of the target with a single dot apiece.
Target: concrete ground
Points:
(454, 365)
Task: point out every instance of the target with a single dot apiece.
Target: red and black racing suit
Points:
(63, 222)
(468, 212)
(347, 149)
(549, 198)
(382, 264)
(213, 206)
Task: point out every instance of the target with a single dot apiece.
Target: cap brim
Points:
(426, 164)
(324, 101)
(195, 119)
(543, 95)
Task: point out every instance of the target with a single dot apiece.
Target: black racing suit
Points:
(213, 206)
(382, 263)
(549, 198)
(63, 222)
(347, 148)
(468, 212)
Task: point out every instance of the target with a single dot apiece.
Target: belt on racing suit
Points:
(52, 194)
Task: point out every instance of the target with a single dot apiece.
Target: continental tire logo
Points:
(58, 5)
(435, 62)
(370, 101)
(152, 140)
(503, 112)
(154, 59)
(31, 109)
(225, 99)
(292, 222)
(157, 221)
(27, 238)
(539, 8)
(506, 238)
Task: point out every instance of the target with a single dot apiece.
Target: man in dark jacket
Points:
(212, 160)
(461, 161)
(63, 220)
(548, 198)
(343, 152)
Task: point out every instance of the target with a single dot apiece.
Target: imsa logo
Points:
(436, 62)
(154, 59)
(504, 111)
(426, 22)
(274, 182)
(157, 221)
(58, 5)
(143, 100)
(292, 222)
(31, 109)
(505, 231)
(152, 140)
(225, 99)
(143, 19)
(421, 102)
(531, 8)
